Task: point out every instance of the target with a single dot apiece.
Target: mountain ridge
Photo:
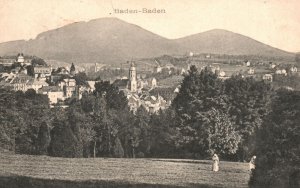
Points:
(111, 40)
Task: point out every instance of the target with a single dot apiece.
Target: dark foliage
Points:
(278, 151)
(43, 140)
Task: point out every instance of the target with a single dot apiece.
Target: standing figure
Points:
(252, 163)
(216, 161)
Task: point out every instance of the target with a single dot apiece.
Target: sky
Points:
(274, 22)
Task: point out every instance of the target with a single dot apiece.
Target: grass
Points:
(42, 171)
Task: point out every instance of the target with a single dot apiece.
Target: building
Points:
(251, 71)
(19, 83)
(42, 71)
(54, 93)
(267, 77)
(272, 65)
(152, 83)
(7, 61)
(58, 74)
(248, 64)
(293, 69)
(69, 88)
(21, 59)
(153, 104)
(134, 102)
(36, 84)
(167, 93)
(130, 84)
(157, 68)
(281, 72)
(132, 78)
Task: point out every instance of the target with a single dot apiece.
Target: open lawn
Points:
(42, 171)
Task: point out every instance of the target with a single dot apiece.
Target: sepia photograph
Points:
(149, 94)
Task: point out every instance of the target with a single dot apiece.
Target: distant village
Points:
(59, 84)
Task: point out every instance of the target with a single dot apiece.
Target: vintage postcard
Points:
(149, 93)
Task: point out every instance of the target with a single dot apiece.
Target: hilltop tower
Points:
(132, 78)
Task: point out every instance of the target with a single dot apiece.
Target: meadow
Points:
(43, 171)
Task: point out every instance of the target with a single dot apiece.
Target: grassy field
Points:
(41, 171)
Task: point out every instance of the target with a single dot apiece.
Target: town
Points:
(22, 73)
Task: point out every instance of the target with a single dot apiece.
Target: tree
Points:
(218, 133)
(9, 119)
(72, 69)
(163, 135)
(140, 139)
(64, 143)
(199, 94)
(115, 99)
(277, 144)
(43, 140)
(118, 149)
(81, 79)
(38, 61)
(248, 101)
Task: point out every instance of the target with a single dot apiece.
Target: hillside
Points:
(41, 171)
(102, 40)
(112, 41)
(220, 41)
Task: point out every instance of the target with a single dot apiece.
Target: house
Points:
(7, 77)
(251, 71)
(54, 93)
(248, 64)
(153, 82)
(167, 93)
(21, 59)
(153, 104)
(272, 65)
(293, 69)
(222, 75)
(268, 77)
(134, 102)
(6, 80)
(7, 61)
(281, 72)
(19, 83)
(157, 69)
(42, 71)
(68, 85)
(36, 84)
(91, 85)
(58, 74)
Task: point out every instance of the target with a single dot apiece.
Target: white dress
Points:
(215, 166)
(252, 163)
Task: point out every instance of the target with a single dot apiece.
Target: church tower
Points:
(132, 78)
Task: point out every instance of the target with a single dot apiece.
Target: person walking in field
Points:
(216, 161)
(252, 163)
